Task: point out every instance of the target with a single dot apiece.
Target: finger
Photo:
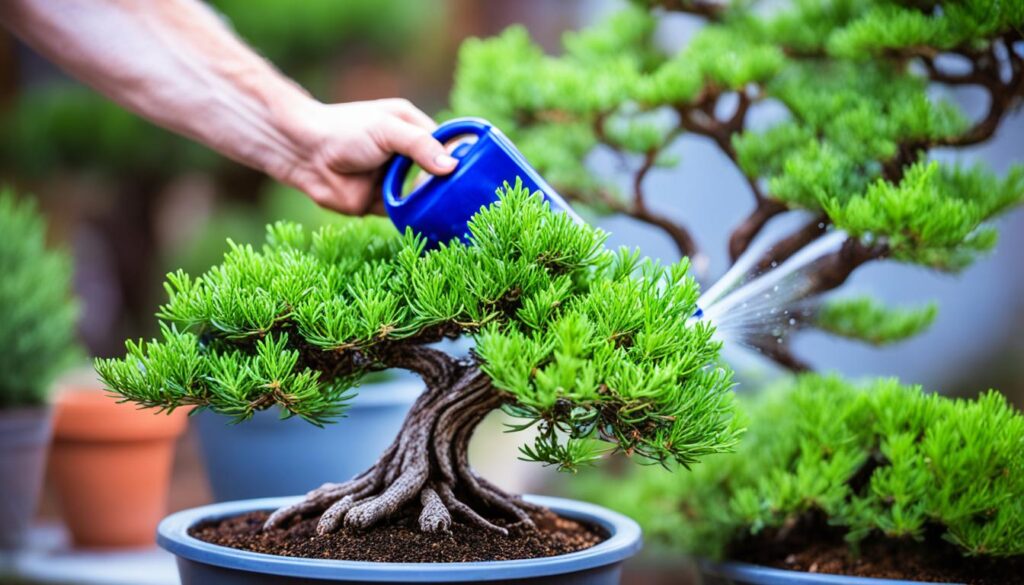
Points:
(399, 136)
(347, 194)
(405, 110)
(376, 206)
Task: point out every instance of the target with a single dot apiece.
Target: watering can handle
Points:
(399, 166)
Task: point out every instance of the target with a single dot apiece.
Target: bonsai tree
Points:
(37, 310)
(851, 152)
(585, 345)
(823, 458)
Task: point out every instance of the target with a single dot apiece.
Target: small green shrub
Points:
(37, 312)
(881, 459)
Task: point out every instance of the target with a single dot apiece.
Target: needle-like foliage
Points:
(585, 344)
(37, 310)
(865, 319)
(875, 460)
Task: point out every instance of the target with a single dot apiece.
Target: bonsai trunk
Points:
(427, 466)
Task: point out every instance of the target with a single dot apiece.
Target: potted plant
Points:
(588, 347)
(834, 479)
(850, 104)
(110, 464)
(37, 326)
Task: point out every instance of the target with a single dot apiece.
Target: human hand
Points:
(339, 150)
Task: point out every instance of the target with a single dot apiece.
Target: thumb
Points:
(400, 136)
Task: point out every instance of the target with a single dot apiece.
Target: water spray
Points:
(746, 307)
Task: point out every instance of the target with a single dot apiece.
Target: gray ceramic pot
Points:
(202, 563)
(268, 457)
(732, 573)
(24, 438)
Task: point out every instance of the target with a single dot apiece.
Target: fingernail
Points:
(446, 161)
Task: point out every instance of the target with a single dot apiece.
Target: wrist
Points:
(289, 111)
(292, 112)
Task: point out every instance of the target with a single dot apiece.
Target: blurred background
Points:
(131, 201)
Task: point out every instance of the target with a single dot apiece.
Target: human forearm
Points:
(172, 62)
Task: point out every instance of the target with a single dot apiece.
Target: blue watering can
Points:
(440, 208)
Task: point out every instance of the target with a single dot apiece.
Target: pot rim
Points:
(762, 575)
(625, 540)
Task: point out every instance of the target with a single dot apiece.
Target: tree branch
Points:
(708, 9)
(986, 72)
(831, 271)
(779, 353)
(699, 119)
(637, 208)
(748, 229)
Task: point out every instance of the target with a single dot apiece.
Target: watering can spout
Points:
(440, 207)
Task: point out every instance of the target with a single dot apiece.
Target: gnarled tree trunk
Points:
(428, 463)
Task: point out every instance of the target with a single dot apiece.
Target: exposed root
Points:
(467, 513)
(427, 464)
(403, 490)
(434, 517)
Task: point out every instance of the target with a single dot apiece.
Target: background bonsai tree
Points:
(822, 455)
(585, 345)
(852, 152)
(37, 310)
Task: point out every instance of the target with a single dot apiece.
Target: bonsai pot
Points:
(24, 436)
(730, 573)
(202, 563)
(267, 457)
(111, 464)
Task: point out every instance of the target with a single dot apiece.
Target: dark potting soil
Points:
(932, 560)
(400, 540)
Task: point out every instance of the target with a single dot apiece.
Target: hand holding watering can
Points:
(440, 208)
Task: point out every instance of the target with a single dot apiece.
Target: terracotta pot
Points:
(24, 436)
(111, 464)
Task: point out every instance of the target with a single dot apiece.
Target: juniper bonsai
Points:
(37, 309)
(585, 345)
(880, 459)
(855, 79)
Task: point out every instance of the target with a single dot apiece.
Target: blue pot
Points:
(747, 574)
(202, 563)
(24, 438)
(267, 457)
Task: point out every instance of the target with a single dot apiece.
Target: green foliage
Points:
(37, 312)
(62, 126)
(583, 343)
(935, 216)
(860, 116)
(293, 34)
(888, 26)
(882, 459)
(866, 319)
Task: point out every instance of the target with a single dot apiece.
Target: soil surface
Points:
(401, 541)
(932, 560)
